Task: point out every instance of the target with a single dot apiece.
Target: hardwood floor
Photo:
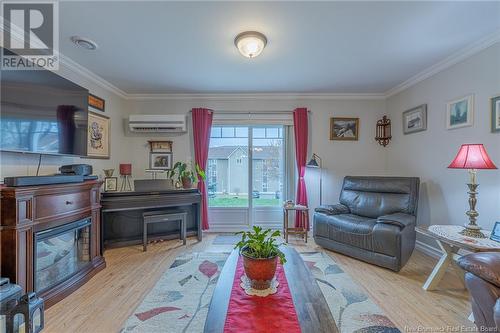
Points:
(109, 298)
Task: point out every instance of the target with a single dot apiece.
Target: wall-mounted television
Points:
(42, 112)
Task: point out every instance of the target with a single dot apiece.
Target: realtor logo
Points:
(30, 35)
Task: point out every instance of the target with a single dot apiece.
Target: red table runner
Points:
(274, 313)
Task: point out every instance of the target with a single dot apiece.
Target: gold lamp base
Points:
(472, 231)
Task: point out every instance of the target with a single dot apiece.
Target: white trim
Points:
(428, 249)
(446, 63)
(256, 96)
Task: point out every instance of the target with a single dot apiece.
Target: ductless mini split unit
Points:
(173, 123)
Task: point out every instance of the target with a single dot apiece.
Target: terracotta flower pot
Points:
(260, 271)
(186, 182)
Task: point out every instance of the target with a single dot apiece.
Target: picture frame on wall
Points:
(344, 129)
(495, 114)
(111, 184)
(96, 103)
(415, 119)
(460, 112)
(98, 136)
(160, 146)
(160, 161)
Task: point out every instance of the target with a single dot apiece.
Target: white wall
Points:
(18, 164)
(363, 157)
(443, 198)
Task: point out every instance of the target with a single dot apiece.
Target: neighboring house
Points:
(228, 167)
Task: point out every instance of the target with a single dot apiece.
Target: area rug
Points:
(180, 299)
(226, 239)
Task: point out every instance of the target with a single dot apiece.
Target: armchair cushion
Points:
(485, 265)
(333, 209)
(399, 219)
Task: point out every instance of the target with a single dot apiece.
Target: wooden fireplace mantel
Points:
(29, 209)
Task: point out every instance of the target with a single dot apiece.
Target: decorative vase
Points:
(260, 271)
(186, 182)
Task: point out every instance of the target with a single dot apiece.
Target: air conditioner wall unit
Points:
(171, 123)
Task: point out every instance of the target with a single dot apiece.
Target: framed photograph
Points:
(495, 114)
(110, 184)
(96, 103)
(160, 161)
(160, 146)
(415, 120)
(345, 129)
(98, 144)
(460, 112)
(495, 233)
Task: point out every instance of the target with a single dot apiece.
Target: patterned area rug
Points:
(179, 301)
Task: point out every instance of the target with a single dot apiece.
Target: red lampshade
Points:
(472, 156)
(125, 169)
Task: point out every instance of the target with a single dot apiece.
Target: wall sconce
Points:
(383, 131)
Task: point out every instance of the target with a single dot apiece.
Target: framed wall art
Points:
(344, 129)
(495, 114)
(415, 119)
(160, 146)
(460, 112)
(96, 103)
(98, 136)
(160, 161)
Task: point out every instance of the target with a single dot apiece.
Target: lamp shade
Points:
(126, 169)
(472, 156)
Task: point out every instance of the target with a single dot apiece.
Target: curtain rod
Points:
(253, 112)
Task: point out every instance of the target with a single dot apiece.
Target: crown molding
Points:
(90, 76)
(255, 96)
(446, 63)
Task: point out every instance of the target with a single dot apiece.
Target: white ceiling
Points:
(320, 47)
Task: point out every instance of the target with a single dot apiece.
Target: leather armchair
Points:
(482, 279)
(374, 221)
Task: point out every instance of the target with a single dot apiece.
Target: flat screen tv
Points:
(42, 112)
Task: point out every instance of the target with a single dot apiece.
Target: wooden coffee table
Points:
(312, 310)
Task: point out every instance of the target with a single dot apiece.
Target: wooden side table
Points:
(298, 231)
(451, 241)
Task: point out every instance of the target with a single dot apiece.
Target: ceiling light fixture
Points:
(250, 43)
(84, 42)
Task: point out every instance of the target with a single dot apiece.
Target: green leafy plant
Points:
(260, 244)
(183, 171)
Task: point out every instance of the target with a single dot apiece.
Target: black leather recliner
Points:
(374, 221)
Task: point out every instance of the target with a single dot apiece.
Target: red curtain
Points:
(202, 123)
(300, 127)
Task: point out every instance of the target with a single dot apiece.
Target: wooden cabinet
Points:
(28, 210)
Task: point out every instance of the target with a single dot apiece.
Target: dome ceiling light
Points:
(250, 43)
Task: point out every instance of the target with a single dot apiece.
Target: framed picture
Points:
(98, 144)
(96, 102)
(415, 120)
(344, 129)
(495, 114)
(110, 184)
(460, 112)
(495, 233)
(160, 161)
(160, 146)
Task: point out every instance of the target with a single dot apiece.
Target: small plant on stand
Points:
(185, 174)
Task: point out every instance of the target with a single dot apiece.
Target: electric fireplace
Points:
(60, 252)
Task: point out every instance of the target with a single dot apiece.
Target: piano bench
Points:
(163, 217)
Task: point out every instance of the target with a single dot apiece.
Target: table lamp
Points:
(126, 173)
(472, 157)
(313, 163)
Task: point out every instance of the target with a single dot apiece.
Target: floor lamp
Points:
(315, 162)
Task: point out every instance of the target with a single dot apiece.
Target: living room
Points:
(357, 130)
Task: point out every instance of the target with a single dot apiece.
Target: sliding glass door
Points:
(245, 176)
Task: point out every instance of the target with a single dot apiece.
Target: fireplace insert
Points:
(60, 252)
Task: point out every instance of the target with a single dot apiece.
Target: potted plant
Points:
(260, 254)
(186, 175)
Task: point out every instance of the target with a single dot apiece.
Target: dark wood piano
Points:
(122, 215)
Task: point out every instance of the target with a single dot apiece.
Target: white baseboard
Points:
(427, 249)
